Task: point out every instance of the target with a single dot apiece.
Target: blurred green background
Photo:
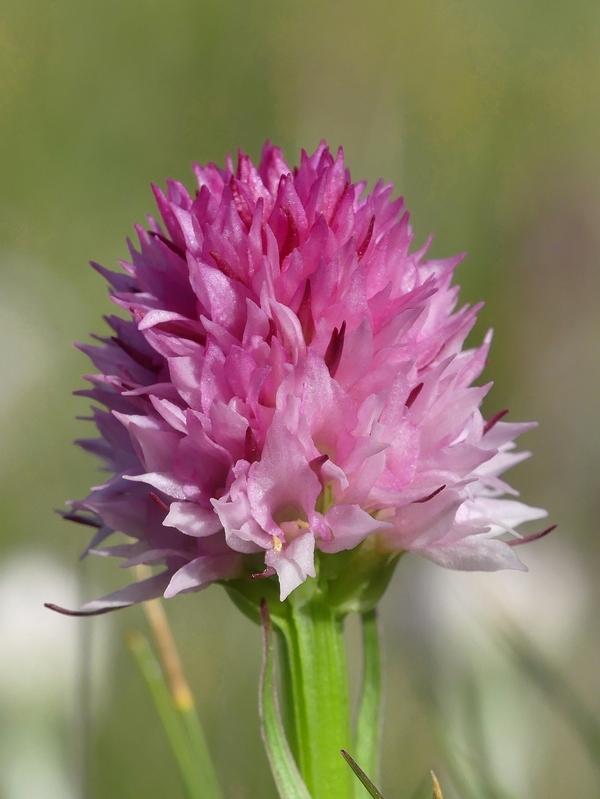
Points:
(485, 114)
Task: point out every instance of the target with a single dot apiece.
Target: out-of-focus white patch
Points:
(458, 624)
(41, 657)
(31, 769)
(546, 603)
(38, 657)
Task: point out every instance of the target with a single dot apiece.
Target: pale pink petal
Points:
(202, 571)
(192, 520)
(475, 553)
(350, 525)
(293, 564)
(136, 592)
(282, 482)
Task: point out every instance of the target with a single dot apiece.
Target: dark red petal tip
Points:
(292, 239)
(305, 316)
(251, 450)
(155, 498)
(316, 463)
(223, 266)
(268, 572)
(80, 613)
(430, 496)
(169, 244)
(496, 418)
(333, 355)
(414, 394)
(72, 516)
(367, 239)
(516, 542)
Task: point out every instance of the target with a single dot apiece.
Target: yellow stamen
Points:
(277, 543)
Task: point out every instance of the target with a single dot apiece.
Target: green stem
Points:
(316, 656)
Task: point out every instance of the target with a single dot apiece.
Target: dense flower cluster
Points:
(291, 378)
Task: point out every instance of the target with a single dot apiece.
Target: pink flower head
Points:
(290, 379)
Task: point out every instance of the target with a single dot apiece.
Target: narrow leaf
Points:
(372, 790)
(369, 715)
(283, 766)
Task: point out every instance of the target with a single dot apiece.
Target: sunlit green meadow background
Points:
(486, 115)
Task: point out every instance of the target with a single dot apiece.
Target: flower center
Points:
(293, 522)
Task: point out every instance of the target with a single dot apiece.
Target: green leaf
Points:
(373, 791)
(369, 715)
(283, 766)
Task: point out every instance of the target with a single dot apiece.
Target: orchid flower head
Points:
(289, 381)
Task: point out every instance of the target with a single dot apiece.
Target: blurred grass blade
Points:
(199, 752)
(369, 715)
(180, 691)
(422, 788)
(454, 764)
(372, 790)
(465, 763)
(477, 733)
(288, 780)
(552, 683)
(169, 716)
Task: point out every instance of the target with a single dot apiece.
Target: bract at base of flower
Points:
(349, 582)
